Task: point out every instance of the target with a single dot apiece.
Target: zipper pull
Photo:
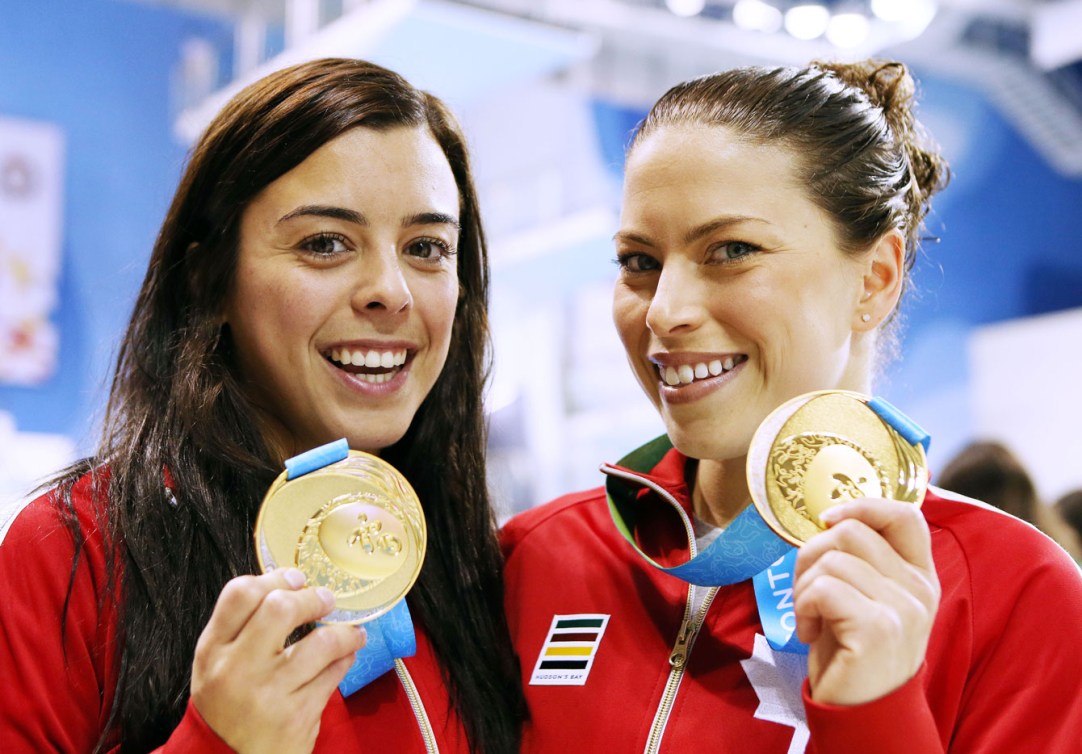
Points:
(680, 649)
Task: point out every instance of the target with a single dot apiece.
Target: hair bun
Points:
(889, 86)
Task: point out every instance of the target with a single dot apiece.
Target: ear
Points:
(884, 274)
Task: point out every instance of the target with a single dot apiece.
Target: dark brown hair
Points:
(864, 157)
(990, 472)
(1069, 507)
(176, 404)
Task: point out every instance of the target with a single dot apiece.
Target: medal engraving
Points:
(355, 527)
(822, 449)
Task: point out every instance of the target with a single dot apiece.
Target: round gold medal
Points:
(355, 527)
(821, 449)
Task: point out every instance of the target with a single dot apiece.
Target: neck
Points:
(720, 491)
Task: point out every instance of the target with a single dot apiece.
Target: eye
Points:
(429, 249)
(636, 261)
(325, 245)
(732, 251)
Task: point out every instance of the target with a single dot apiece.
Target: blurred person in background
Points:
(988, 471)
(1069, 509)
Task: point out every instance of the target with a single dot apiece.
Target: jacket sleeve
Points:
(899, 723)
(1021, 670)
(1022, 693)
(56, 664)
(55, 652)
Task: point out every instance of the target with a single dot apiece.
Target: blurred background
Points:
(101, 99)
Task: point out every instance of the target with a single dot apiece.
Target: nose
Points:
(382, 286)
(677, 302)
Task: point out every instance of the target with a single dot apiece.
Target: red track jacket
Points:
(1003, 671)
(57, 690)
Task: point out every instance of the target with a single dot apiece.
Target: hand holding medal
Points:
(842, 476)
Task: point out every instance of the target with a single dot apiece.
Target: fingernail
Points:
(294, 577)
(326, 595)
(364, 635)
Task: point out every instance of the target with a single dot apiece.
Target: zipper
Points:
(678, 659)
(418, 708)
(689, 627)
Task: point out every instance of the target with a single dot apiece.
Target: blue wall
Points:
(100, 70)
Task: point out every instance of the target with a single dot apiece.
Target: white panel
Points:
(1027, 392)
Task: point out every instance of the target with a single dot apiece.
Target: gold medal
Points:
(355, 527)
(821, 449)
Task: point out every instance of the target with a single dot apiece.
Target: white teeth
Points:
(685, 374)
(369, 359)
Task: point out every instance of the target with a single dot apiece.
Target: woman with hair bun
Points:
(770, 220)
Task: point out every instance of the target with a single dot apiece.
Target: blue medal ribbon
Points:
(774, 597)
(390, 637)
(746, 549)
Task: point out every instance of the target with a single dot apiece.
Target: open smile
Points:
(686, 374)
(371, 366)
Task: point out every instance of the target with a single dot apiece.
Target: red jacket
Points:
(57, 688)
(1003, 671)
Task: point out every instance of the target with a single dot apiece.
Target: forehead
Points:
(682, 176)
(712, 155)
(364, 167)
(691, 164)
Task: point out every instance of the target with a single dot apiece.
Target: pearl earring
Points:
(865, 318)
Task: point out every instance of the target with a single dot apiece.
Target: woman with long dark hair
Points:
(321, 273)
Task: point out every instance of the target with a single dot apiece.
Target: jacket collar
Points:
(645, 488)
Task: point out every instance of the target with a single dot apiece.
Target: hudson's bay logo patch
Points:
(569, 650)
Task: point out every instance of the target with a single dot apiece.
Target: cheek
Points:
(268, 313)
(629, 318)
(439, 306)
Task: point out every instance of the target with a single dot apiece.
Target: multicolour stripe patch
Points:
(569, 650)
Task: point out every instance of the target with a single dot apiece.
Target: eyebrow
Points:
(352, 216)
(320, 210)
(696, 233)
(431, 218)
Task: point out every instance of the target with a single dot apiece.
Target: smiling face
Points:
(346, 287)
(733, 295)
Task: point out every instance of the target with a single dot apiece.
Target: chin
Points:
(374, 444)
(706, 443)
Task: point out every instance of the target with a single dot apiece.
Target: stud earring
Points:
(865, 318)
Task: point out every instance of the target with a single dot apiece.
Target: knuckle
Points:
(240, 589)
(279, 605)
(833, 562)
